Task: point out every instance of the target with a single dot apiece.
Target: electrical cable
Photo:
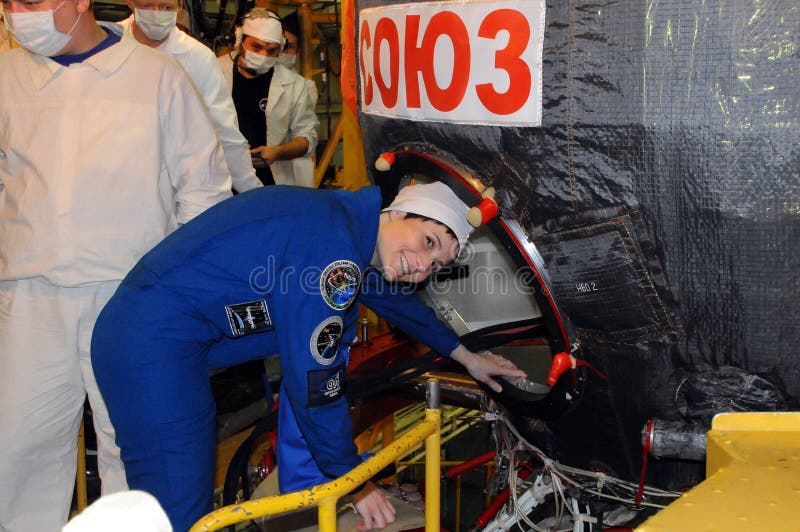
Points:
(566, 474)
(509, 443)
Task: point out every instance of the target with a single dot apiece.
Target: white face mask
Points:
(260, 64)
(37, 31)
(287, 60)
(155, 24)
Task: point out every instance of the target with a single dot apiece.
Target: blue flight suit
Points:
(273, 270)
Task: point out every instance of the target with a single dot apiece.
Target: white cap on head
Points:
(438, 202)
(268, 29)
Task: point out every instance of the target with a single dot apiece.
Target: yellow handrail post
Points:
(433, 457)
(81, 492)
(326, 515)
(324, 496)
(458, 502)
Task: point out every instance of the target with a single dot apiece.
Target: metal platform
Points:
(752, 478)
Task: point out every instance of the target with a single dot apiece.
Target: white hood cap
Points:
(124, 511)
(438, 202)
(268, 29)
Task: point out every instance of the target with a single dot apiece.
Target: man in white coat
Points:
(153, 24)
(303, 166)
(291, 49)
(105, 148)
(272, 102)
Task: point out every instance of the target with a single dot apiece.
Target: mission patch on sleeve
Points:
(325, 340)
(339, 283)
(325, 385)
(247, 318)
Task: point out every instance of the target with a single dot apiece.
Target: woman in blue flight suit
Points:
(275, 270)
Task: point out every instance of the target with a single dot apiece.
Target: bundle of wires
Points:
(562, 478)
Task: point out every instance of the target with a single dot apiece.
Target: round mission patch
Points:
(339, 283)
(325, 339)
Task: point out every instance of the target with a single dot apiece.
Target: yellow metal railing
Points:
(325, 496)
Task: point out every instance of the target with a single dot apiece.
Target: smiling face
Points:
(409, 249)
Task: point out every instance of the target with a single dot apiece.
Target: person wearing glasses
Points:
(272, 102)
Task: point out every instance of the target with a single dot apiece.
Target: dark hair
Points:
(421, 217)
(291, 23)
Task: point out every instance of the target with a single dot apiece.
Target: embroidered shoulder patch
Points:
(325, 340)
(339, 283)
(247, 318)
(325, 386)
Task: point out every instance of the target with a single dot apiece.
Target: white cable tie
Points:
(490, 416)
(584, 518)
(601, 480)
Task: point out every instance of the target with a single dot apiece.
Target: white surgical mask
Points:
(155, 24)
(36, 31)
(287, 60)
(260, 64)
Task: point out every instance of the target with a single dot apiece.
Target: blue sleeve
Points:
(315, 315)
(401, 307)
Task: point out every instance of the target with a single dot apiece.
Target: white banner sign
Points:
(470, 63)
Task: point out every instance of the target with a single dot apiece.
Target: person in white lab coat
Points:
(154, 24)
(105, 148)
(302, 166)
(262, 88)
(291, 49)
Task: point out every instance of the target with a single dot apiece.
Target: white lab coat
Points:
(98, 162)
(289, 114)
(304, 166)
(313, 92)
(201, 64)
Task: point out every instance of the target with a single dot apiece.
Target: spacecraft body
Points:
(644, 157)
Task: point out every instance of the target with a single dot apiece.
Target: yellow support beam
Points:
(330, 149)
(752, 478)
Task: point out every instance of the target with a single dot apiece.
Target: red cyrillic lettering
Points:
(507, 59)
(420, 59)
(387, 31)
(365, 42)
